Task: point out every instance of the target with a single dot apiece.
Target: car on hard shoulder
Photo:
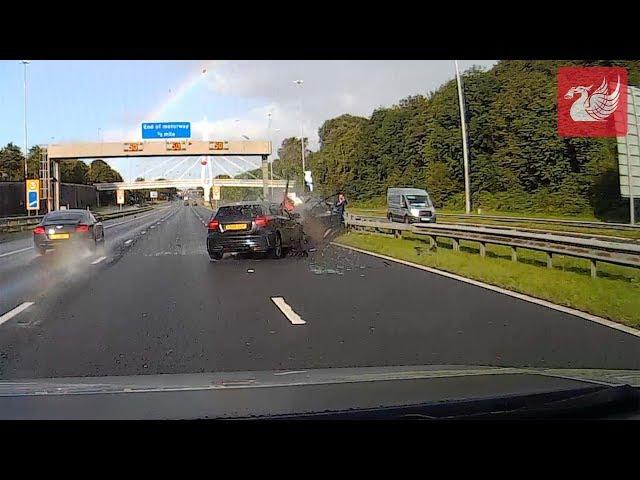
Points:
(68, 229)
(260, 227)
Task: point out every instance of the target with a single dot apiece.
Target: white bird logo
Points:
(595, 107)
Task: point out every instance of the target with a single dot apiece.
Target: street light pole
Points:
(465, 151)
(271, 163)
(270, 157)
(299, 83)
(26, 152)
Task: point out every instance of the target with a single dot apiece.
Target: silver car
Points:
(410, 205)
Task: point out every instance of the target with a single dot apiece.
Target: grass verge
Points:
(614, 295)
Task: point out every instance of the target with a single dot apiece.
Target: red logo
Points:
(592, 102)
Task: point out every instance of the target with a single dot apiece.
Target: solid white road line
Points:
(15, 251)
(504, 291)
(98, 260)
(12, 313)
(292, 316)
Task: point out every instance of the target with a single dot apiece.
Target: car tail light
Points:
(261, 221)
(82, 228)
(214, 224)
(38, 231)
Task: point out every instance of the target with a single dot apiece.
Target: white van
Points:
(410, 205)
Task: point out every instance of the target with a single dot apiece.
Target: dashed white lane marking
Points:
(15, 251)
(152, 226)
(129, 221)
(12, 313)
(143, 232)
(504, 291)
(288, 312)
(289, 373)
(128, 242)
(98, 260)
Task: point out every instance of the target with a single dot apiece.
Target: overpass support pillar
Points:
(57, 184)
(207, 193)
(265, 177)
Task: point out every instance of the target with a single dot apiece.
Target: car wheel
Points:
(276, 251)
(216, 256)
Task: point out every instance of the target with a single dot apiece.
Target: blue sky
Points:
(88, 100)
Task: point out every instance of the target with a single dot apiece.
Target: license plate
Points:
(58, 236)
(235, 226)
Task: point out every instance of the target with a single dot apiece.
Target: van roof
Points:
(407, 191)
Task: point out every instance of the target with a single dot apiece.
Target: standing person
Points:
(340, 205)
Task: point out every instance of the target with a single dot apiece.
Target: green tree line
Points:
(71, 171)
(518, 162)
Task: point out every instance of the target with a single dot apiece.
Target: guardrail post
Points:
(456, 244)
(514, 254)
(483, 249)
(594, 270)
(432, 243)
(549, 260)
(397, 233)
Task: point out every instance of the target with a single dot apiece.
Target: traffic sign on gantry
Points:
(163, 130)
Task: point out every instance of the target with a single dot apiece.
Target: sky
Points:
(102, 100)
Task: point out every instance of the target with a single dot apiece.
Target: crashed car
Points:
(320, 218)
(253, 227)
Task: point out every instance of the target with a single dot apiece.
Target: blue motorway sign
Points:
(155, 130)
(33, 200)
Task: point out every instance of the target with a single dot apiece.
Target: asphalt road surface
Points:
(153, 303)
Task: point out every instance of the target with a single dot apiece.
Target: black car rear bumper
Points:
(221, 243)
(41, 242)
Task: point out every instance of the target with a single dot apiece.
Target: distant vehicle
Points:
(410, 205)
(194, 203)
(68, 228)
(186, 203)
(253, 227)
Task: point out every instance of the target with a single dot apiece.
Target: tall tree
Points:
(11, 163)
(74, 171)
(100, 171)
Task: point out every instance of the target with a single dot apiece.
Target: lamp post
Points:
(299, 83)
(26, 152)
(465, 151)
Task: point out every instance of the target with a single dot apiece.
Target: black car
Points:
(252, 227)
(68, 228)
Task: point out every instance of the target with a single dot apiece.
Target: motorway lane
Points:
(25, 274)
(163, 307)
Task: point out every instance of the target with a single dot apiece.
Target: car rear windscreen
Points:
(64, 216)
(236, 212)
